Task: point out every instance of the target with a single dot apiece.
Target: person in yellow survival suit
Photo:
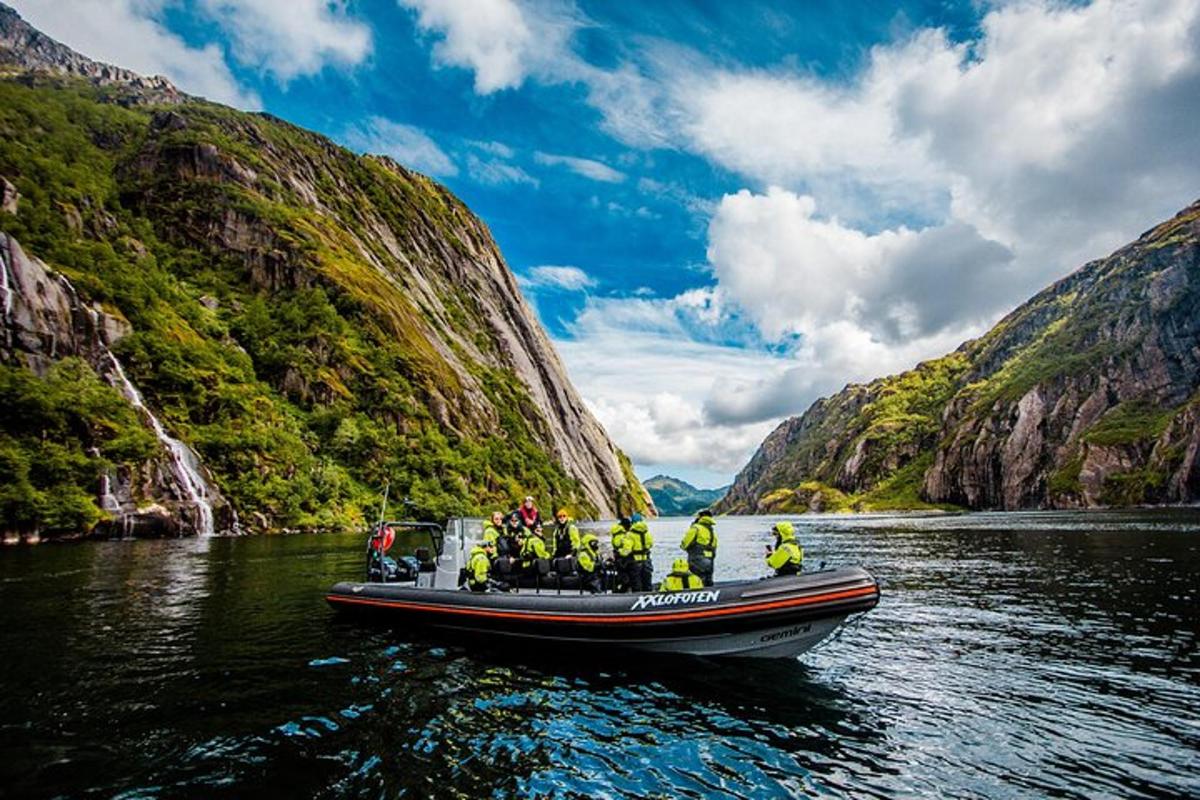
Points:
(700, 543)
(622, 550)
(588, 561)
(787, 557)
(479, 565)
(680, 578)
(533, 549)
(640, 542)
(493, 528)
(562, 540)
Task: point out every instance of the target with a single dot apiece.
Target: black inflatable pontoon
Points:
(772, 618)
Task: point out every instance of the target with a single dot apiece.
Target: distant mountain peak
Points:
(25, 47)
(674, 496)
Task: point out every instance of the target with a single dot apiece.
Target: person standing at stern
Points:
(622, 551)
(700, 543)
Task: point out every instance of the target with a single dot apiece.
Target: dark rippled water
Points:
(1020, 655)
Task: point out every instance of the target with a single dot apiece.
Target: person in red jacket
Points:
(529, 514)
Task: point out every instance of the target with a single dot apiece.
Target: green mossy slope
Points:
(275, 325)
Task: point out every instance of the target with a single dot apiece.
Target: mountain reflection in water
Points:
(1018, 655)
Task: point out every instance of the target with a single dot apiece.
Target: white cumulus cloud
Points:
(499, 40)
(647, 378)
(795, 272)
(409, 145)
(293, 38)
(1062, 131)
(572, 279)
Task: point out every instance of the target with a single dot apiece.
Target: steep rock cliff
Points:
(1086, 395)
(309, 321)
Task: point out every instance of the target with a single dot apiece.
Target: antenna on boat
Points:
(387, 486)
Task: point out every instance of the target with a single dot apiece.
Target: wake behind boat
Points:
(770, 618)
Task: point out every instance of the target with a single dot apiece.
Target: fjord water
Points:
(1012, 655)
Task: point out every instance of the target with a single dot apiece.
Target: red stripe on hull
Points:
(542, 616)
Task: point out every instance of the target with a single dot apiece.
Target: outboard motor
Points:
(382, 568)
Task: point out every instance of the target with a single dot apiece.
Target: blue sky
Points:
(722, 211)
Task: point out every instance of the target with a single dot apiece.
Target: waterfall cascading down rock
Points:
(6, 288)
(185, 466)
(45, 319)
(183, 462)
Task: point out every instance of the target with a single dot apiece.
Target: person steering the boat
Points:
(641, 541)
(700, 543)
(787, 557)
(622, 548)
(680, 578)
(563, 539)
(588, 561)
(479, 566)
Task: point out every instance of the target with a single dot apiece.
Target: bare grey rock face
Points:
(40, 322)
(434, 263)
(10, 198)
(1092, 439)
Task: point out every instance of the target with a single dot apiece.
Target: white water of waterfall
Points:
(7, 279)
(184, 464)
(108, 501)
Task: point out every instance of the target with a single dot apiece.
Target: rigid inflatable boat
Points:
(769, 618)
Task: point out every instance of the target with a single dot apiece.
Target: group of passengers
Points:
(519, 549)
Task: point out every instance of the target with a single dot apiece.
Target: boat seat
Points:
(565, 582)
(425, 559)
